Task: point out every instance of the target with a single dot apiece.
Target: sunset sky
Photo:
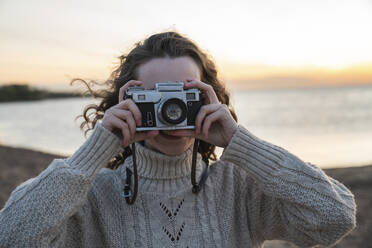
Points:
(256, 43)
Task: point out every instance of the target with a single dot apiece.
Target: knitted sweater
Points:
(255, 192)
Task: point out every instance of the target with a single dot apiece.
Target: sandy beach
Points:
(18, 165)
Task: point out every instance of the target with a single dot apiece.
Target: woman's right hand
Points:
(122, 118)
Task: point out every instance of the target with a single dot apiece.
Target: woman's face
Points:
(165, 70)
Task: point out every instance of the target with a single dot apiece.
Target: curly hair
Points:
(166, 44)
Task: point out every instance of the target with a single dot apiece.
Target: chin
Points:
(171, 146)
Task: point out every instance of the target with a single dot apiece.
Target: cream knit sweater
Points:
(256, 191)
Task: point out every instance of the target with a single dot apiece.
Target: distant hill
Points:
(16, 92)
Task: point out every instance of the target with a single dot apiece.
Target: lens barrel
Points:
(174, 111)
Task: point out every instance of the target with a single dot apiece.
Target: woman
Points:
(255, 192)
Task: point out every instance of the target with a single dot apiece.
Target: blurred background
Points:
(299, 72)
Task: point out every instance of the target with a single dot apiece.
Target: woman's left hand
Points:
(214, 123)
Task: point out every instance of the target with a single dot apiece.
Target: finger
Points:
(204, 111)
(126, 86)
(205, 88)
(127, 116)
(133, 108)
(209, 120)
(123, 127)
(139, 136)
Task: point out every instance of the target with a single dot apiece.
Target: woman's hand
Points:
(122, 118)
(214, 122)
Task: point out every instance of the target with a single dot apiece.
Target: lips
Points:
(167, 135)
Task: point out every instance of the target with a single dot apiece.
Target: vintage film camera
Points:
(167, 107)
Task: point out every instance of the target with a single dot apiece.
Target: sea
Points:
(329, 127)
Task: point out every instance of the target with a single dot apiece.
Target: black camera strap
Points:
(196, 186)
(127, 190)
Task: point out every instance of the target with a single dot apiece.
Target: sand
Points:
(17, 165)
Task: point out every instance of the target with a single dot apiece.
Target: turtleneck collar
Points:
(155, 165)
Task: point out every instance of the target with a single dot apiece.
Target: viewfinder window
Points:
(190, 96)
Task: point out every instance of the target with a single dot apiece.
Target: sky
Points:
(255, 43)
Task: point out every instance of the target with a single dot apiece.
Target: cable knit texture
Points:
(256, 191)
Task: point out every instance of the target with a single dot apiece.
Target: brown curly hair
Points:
(166, 44)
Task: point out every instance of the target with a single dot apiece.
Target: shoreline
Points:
(19, 164)
(26, 92)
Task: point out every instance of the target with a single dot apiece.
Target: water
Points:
(330, 127)
(47, 125)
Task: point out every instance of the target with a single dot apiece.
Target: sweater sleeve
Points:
(290, 199)
(37, 208)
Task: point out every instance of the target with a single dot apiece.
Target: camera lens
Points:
(174, 111)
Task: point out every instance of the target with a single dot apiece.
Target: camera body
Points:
(167, 107)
